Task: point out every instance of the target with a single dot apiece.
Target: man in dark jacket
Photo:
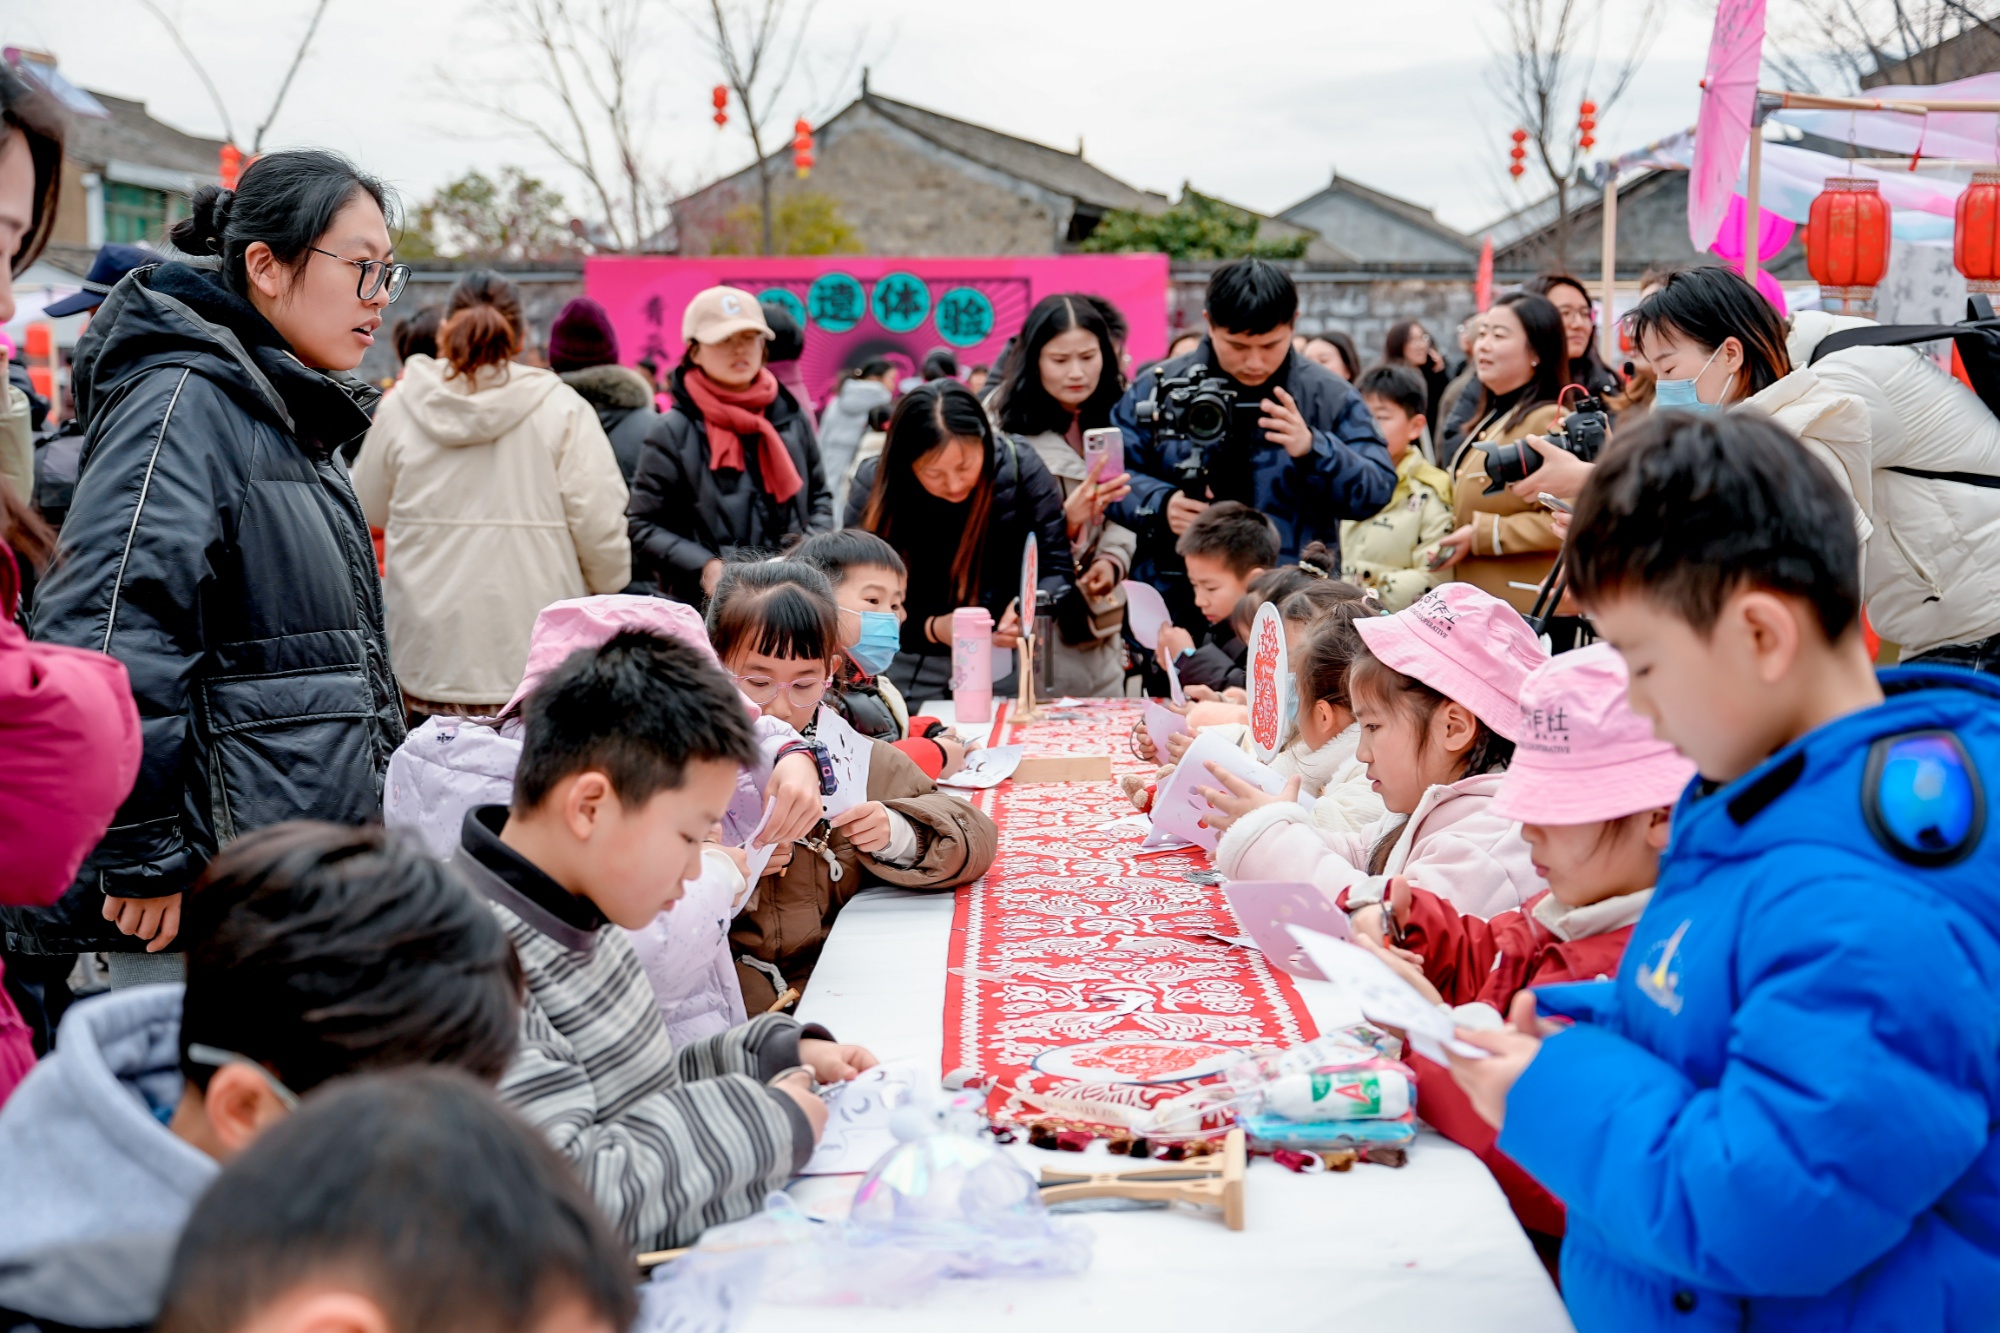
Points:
(583, 349)
(1302, 446)
(214, 546)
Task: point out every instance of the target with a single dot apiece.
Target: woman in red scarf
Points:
(733, 466)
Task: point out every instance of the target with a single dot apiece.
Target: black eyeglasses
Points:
(374, 273)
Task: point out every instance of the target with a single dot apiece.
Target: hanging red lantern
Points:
(1519, 154)
(721, 99)
(1975, 246)
(802, 148)
(1847, 240)
(230, 169)
(1586, 125)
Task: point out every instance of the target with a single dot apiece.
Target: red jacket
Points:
(1490, 962)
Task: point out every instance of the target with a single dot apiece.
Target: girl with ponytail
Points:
(498, 493)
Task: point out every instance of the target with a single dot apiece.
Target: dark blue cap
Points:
(112, 263)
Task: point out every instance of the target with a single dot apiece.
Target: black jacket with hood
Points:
(215, 547)
(623, 402)
(683, 514)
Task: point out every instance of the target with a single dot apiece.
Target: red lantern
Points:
(802, 148)
(721, 99)
(1586, 125)
(1975, 248)
(1519, 154)
(231, 166)
(1847, 240)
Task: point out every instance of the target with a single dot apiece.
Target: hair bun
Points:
(201, 231)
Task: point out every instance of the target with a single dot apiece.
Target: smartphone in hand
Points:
(1548, 501)
(1442, 554)
(1103, 454)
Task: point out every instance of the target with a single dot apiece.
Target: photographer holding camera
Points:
(1242, 417)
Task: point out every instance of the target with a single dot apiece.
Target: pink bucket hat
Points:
(1466, 644)
(566, 627)
(1583, 755)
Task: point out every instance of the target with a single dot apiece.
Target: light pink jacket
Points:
(1453, 845)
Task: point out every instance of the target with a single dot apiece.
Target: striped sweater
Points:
(668, 1142)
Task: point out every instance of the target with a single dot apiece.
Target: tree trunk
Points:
(1562, 225)
(763, 174)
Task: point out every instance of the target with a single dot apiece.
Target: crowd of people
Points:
(485, 751)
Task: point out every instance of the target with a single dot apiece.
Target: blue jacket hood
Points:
(82, 1154)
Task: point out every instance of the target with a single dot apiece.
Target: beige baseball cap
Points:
(723, 312)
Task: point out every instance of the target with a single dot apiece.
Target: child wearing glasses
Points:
(776, 628)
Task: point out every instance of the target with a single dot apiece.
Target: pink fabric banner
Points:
(857, 308)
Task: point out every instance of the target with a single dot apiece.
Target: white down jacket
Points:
(1930, 547)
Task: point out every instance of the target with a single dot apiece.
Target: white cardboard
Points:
(1162, 722)
(1145, 612)
(1270, 679)
(1385, 997)
(1178, 808)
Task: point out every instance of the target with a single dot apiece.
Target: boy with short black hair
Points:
(317, 951)
(1228, 545)
(630, 753)
(1782, 1110)
(404, 1203)
(1391, 551)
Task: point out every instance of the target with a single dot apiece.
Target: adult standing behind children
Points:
(1063, 380)
(497, 494)
(733, 465)
(1301, 446)
(215, 546)
(958, 503)
(869, 386)
(583, 349)
(1502, 541)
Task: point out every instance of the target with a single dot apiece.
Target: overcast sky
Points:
(1394, 93)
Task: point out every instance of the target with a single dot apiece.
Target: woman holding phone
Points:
(958, 502)
(1056, 395)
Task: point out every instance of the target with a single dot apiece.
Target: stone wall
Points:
(1362, 304)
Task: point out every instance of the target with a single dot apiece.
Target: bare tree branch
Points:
(298, 58)
(214, 95)
(1833, 46)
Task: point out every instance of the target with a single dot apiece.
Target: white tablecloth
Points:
(1429, 1246)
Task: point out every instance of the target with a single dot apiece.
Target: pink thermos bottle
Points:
(972, 664)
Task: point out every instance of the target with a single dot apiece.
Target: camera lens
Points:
(1509, 463)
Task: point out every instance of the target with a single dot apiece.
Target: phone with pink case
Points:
(1103, 453)
(1266, 907)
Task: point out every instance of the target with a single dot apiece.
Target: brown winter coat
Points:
(1512, 541)
(793, 911)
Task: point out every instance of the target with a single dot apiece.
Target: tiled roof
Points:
(130, 135)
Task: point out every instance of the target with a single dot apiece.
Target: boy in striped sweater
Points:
(629, 757)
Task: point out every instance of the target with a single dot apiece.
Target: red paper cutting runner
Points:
(1075, 938)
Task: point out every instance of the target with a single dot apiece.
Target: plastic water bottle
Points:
(1342, 1094)
(972, 664)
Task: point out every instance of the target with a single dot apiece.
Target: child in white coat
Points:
(1436, 690)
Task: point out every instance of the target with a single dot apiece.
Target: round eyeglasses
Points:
(762, 690)
(375, 275)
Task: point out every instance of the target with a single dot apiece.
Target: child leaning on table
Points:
(1436, 690)
(1781, 1113)
(630, 754)
(1593, 790)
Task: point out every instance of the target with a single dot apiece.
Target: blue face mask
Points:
(881, 636)
(1681, 395)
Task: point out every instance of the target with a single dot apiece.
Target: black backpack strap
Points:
(1962, 478)
(1886, 335)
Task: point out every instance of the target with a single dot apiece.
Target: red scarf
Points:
(730, 414)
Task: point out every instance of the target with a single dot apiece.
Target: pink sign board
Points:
(858, 308)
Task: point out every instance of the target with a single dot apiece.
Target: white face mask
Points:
(1682, 394)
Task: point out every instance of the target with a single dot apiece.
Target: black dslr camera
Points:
(1198, 408)
(1582, 434)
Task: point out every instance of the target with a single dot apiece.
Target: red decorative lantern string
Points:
(802, 148)
(1519, 152)
(1975, 246)
(1847, 240)
(1586, 125)
(721, 99)
(231, 166)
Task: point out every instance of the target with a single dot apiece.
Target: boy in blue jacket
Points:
(1780, 1114)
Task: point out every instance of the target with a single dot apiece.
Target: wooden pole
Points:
(1753, 210)
(1607, 333)
(1814, 102)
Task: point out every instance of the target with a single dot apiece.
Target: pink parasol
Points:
(1728, 100)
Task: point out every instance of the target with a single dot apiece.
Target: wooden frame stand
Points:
(1025, 709)
(1215, 1181)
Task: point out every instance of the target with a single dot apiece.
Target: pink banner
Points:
(857, 308)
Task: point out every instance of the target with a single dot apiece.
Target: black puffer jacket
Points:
(1026, 499)
(215, 547)
(685, 515)
(623, 402)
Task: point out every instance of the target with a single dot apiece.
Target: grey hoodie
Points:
(83, 1155)
(845, 422)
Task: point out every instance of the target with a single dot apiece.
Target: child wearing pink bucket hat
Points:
(1593, 791)
(1436, 690)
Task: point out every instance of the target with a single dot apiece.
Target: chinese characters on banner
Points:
(859, 308)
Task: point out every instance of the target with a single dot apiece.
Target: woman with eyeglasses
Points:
(498, 493)
(215, 546)
(1572, 301)
(776, 627)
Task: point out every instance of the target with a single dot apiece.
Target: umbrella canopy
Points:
(1728, 100)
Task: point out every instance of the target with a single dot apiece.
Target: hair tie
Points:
(1313, 569)
(218, 215)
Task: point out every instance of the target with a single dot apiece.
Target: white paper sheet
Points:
(986, 768)
(1174, 689)
(849, 752)
(1270, 682)
(1162, 722)
(1385, 997)
(857, 1120)
(759, 857)
(1178, 808)
(1145, 612)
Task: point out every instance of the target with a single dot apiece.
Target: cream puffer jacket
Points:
(1931, 547)
(499, 495)
(1389, 552)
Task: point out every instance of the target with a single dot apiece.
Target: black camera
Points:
(1198, 408)
(1582, 434)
